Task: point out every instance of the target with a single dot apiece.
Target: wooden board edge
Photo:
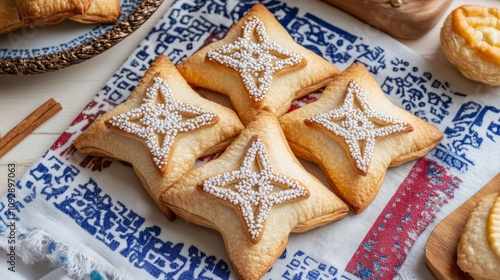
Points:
(445, 236)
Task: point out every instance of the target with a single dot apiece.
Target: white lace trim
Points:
(36, 245)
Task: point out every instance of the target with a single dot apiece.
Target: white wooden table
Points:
(76, 86)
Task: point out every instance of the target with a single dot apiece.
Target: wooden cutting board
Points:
(440, 250)
(403, 19)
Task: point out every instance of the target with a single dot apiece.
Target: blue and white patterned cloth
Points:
(92, 216)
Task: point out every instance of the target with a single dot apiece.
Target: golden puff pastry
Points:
(101, 11)
(9, 18)
(161, 129)
(45, 12)
(255, 194)
(470, 39)
(258, 64)
(474, 253)
(354, 133)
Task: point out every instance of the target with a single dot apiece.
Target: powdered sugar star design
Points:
(159, 119)
(254, 193)
(255, 60)
(358, 127)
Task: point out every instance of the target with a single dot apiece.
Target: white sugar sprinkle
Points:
(358, 124)
(254, 189)
(165, 119)
(256, 62)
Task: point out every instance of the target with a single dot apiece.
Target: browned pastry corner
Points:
(469, 39)
(101, 11)
(161, 129)
(9, 18)
(258, 64)
(354, 133)
(255, 194)
(45, 12)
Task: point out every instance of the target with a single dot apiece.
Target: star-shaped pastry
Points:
(255, 194)
(255, 58)
(354, 133)
(357, 127)
(161, 129)
(258, 64)
(159, 119)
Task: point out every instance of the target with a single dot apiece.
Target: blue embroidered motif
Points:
(115, 225)
(472, 125)
(52, 176)
(303, 266)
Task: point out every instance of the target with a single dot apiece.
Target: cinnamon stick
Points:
(26, 126)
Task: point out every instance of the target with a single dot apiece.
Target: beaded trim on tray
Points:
(358, 127)
(249, 190)
(159, 119)
(256, 62)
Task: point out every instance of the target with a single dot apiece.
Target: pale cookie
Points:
(354, 133)
(9, 18)
(45, 12)
(258, 64)
(101, 11)
(493, 227)
(255, 194)
(161, 129)
(470, 39)
(474, 254)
